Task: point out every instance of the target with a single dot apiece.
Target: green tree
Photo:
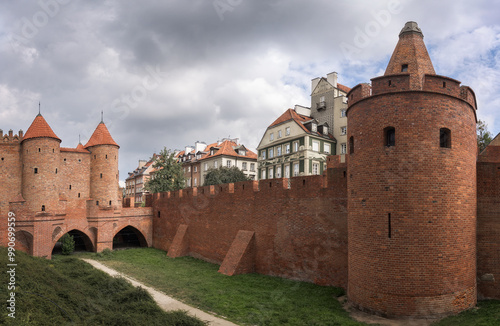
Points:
(224, 175)
(483, 135)
(169, 175)
(67, 244)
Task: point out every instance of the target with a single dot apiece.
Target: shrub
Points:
(68, 244)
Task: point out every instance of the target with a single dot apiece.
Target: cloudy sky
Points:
(171, 72)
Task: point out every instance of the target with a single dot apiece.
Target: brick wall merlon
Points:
(391, 83)
(358, 93)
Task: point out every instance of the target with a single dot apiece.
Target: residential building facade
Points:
(134, 184)
(295, 145)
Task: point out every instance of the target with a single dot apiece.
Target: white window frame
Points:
(215, 164)
(263, 173)
(343, 130)
(296, 146)
(314, 127)
(315, 146)
(315, 168)
(279, 133)
(228, 163)
(278, 171)
(263, 154)
(244, 166)
(278, 150)
(195, 182)
(195, 169)
(296, 169)
(205, 166)
(343, 113)
(287, 131)
(343, 148)
(287, 148)
(271, 136)
(287, 171)
(270, 173)
(327, 148)
(252, 166)
(271, 152)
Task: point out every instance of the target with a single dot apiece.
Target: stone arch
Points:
(57, 233)
(24, 242)
(82, 241)
(129, 236)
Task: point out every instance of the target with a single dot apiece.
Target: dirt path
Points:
(164, 301)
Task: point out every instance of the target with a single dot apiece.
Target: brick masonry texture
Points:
(298, 232)
(62, 195)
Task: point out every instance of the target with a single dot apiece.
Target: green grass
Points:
(68, 291)
(487, 313)
(245, 299)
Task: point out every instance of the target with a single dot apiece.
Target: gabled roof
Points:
(290, 114)
(40, 128)
(343, 88)
(101, 136)
(227, 148)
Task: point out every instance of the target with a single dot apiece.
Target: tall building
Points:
(134, 184)
(412, 188)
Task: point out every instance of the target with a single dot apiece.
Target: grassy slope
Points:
(65, 289)
(251, 299)
(487, 313)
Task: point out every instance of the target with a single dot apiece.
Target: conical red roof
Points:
(101, 136)
(40, 128)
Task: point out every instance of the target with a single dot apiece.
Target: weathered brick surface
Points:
(300, 233)
(240, 259)
(427, 264)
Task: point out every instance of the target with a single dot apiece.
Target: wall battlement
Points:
(10, 137)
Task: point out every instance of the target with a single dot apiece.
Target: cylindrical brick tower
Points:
(412, 188)
(40, 158)
(104, 176)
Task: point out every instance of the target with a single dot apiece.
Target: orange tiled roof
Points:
(343, 88)
(40, 128)
(101, 136)
(78, 149)
(226, 148)
(290, 114)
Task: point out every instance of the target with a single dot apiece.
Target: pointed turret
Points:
(101, 136)
(411, 56)
(40, 128)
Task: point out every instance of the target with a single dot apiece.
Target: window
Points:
(390, 136)
(271, 173)
(78, 195)
(287, 148)
(43, 208)
(110, 203)
(271, 152)
(279, 133)
(271, 137)
(263, 154)
(325, 129)
(326, 148)
(106, 156)
(404, 68)
(228, 163)
(445, 137)
(263, 174)
(296, 169)
(278, 151)
(343, 130)
(287, 171)
(314, 127)
(351, 145)
(39, 150)
(244, 165)
(189, 182)
(296, 146)
(315, 168)
(69, 187)
(322, 99)
(195, 182)
(36, 170)
(278, 172)
(205, 166)
(215, 164)
(189, 169)
(101, 175)
(315, 146)
(252, 166)
(287, 131)
(343, 113)
(343, 148)
(56, 169)
(97, 203)
(195, 169)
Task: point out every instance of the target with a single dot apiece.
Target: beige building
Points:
(329, 104)
(294, 145)
(134, 184)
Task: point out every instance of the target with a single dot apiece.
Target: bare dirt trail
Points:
(164, 301)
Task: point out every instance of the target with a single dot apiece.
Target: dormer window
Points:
(212, 152)
(314, 127)
(325, 130)
(404, 68)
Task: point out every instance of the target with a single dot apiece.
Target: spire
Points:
(102, 116)
(411, 56)
(40, 128)
(39, 108)
(101, 136)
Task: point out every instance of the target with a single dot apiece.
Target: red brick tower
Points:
(412, 188)
(40, 150)
(103, 168)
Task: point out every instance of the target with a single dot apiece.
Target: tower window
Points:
(390, 136)
(445, 137)
(52, 150)
(94, 157)
(69, 187)
(64, 159)
(36, 170)
(97, 203)
(106, 156)
(404, 68)
(39, 150)
(390, 82)
(158, 213)
(56, 170)
(43, 208)
(389, 226)
(351, 145)
(444, 84)
(101, 175)
(78, 195)
(110, 203)
(2, 158)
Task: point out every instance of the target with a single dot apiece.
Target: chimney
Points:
(142, 163)
(187, 150)
(332, 78)
(199, 146)
(315, 83)
(21, 134)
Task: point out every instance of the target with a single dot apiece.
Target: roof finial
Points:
(102, 116)
(39, 108)
(79, 139)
